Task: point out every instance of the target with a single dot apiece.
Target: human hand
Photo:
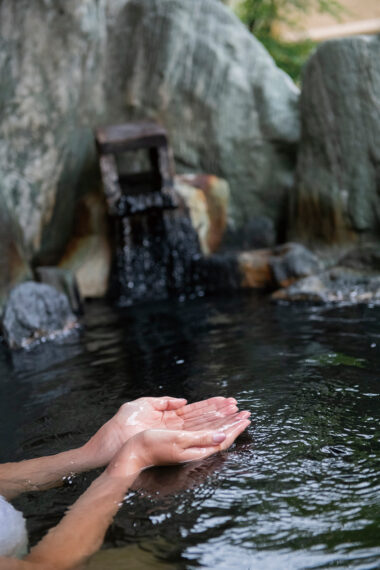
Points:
(156, 413)
(167, 447)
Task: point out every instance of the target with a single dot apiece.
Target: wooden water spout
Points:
(138, 192)
(154, 240)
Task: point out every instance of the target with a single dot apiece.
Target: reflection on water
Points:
(300, 490)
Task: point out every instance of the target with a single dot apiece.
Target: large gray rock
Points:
(292, 261)
(337, 197)
(338, 285)
(229, 110)
(50, 92)
(35, 311)
(68, 65)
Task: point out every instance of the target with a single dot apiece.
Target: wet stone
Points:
(65, 282)
(337, 285)
(36, 312)
(292, 261)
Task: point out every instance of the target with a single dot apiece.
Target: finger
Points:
(195, 453)
(222, 409)
(215, 422)
(210, 404)
(228, 410)
(209, 418)
(204, 438)
(232, 432)
(167, 403)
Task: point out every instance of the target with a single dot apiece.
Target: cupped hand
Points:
(168, 447)
(156, 413)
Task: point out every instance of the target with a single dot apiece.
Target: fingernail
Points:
(218, 437)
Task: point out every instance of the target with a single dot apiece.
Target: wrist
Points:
(79, 459)
(128, 461)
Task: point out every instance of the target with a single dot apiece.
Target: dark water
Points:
(300, 490)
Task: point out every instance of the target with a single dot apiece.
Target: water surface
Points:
(299, 490)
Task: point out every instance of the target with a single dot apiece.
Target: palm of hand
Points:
(141, 415)
(158, 413)
(155, 413)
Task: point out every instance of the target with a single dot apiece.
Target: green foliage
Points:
(289, 56)
(261, 16)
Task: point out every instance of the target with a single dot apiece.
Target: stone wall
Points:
(69, 65)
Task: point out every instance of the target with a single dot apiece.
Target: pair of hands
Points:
(162, 431)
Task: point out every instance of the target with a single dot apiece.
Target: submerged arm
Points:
(81, 531)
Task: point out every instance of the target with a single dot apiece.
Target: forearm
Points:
(81, 531)
(43, 472)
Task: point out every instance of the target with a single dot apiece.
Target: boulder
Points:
(51, 93)
(14, 266)
(363, 258)
(88, 254)
(255, 269)
(193, 66)
(196, 203)
(65, 282)
(207, 198)
(292, 261)
(337, 285)
(337, 193)
(70, 65)
(258, 232)
(276, 267)
(35, 311)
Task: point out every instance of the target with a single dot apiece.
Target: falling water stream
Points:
(155, 256)
(299, 490)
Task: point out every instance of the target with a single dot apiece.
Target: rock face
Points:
(337, 285)
(65, 282)
(89, 253)
(292, 261)
(276, 267)
(70, 65)
(207, 198)
(13, 262)
(337, 197)
(354, 279)
(35, 311)
(51, 89)
(228, 109)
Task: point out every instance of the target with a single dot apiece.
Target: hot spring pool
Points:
(300, 490)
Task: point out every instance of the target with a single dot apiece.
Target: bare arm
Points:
(132, 418)
(81, 531)
(42, 472)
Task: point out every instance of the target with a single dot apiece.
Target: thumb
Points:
(167, 403)
(202, 439)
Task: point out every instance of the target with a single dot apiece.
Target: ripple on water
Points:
(299, 490)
